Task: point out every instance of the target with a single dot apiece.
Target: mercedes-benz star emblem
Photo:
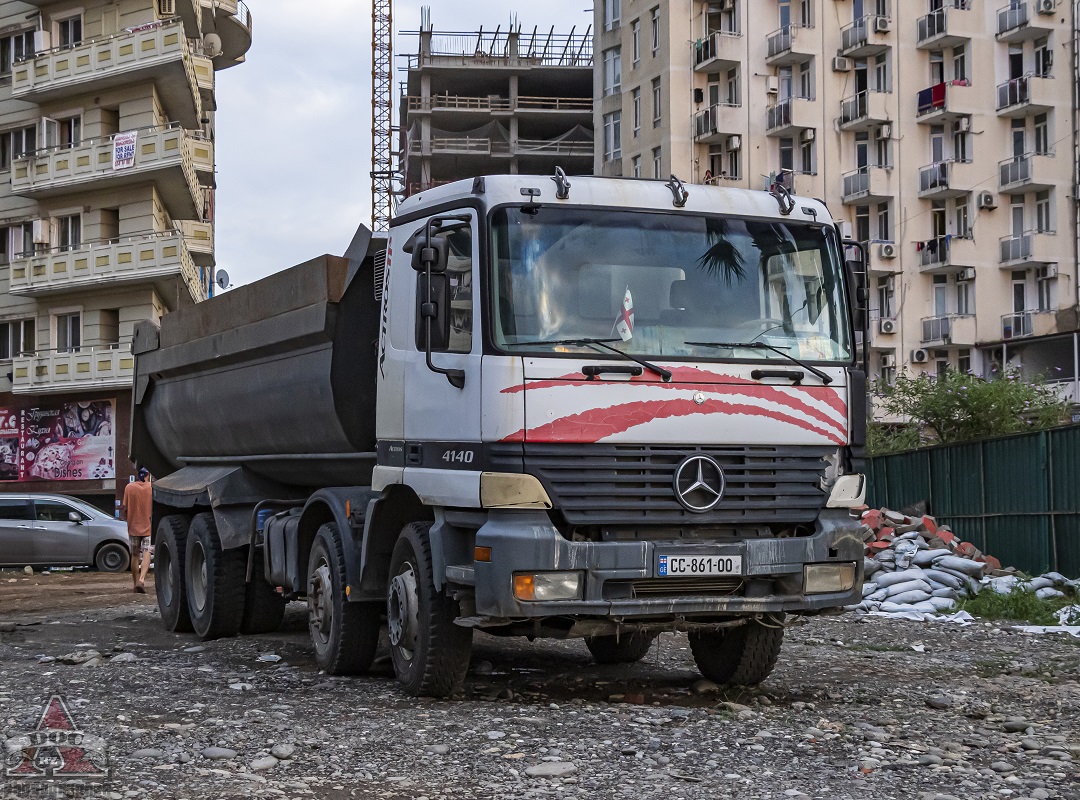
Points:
(699, 483)
(699, 397)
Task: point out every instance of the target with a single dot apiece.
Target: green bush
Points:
(1017, 605)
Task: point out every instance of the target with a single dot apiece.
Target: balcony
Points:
(553, 147)
(784, 47)
(866, 36)
(1019, 22)
(790, 116)
(204, 77)
(944, 102)
(946, 254)
(867, 186)
(1031, 172)
(717, 123)
(944, 179)
(138, 259)
(950, 329)
(495, 105)
(170, 156)
(232, 19)
(719, 52)
(1031, 249)
(949, 27)
(106, 367)
(158, 52)
(864, 111)
(1021, 324)
(1030, 94)
(199, 239)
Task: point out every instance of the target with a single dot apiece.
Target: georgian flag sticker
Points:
(624, 325)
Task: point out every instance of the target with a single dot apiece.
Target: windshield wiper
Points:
(664, 374)
(825, 378)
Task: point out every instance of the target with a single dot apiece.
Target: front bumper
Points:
(772, 581)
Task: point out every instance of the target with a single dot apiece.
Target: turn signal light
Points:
(541, 586)
(481, 554)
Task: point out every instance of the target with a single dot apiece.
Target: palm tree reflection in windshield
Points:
(723, 258)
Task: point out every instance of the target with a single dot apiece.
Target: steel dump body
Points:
(278, 375)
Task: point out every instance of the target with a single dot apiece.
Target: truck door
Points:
(441, 420)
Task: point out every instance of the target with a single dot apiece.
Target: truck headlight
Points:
(512, 490)
(536, 586)
(821, 578)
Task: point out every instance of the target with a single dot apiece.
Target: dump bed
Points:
(278, 376)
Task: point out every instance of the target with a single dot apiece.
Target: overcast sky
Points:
(294, 122)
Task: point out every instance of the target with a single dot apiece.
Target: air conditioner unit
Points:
(42, 41)
(166, 8)
(882, 25)
(1049, 271)
(841, 64)
(772, 84)
(845, 229)
(734, 142)
(964, 124)
(888, 360)
(807, 135)
(886, 250)
(920, 356)
(966, 274)
(986, 200)
(42, 229)
(884, 132)
(1045, 6)
(887, 325)
(727, 5)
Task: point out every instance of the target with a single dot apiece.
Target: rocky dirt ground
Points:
(866, 708)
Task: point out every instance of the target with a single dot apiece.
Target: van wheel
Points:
(264, 608)
(742, 656)
(345, 635)
(112, 557)
(430, 653)
(624, 649)
(169, 554)
(214, 580)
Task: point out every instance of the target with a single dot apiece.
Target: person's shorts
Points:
(139, 545)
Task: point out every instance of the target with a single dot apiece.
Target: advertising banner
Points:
(124, 150)
(70, 442)
(9, 445)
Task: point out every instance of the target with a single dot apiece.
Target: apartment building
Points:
(498, 102)
(107, 112)
(941, 131)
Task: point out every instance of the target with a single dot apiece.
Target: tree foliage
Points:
(959, 407)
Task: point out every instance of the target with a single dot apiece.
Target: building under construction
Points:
(506, 101)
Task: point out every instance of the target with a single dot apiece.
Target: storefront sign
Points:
(68, 442)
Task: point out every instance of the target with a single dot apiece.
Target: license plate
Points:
(672, 566)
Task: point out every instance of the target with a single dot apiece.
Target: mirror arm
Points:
(455, 376)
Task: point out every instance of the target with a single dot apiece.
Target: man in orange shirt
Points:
(136, 509)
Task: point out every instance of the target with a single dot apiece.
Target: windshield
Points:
(666, 284)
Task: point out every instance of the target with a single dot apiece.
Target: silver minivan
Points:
(53, 530)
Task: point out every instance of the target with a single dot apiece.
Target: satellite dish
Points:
(222, 279)
(212, 45)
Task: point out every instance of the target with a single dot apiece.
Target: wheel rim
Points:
(402, 611)
(112, 558)
(321, 602)
(167, 588)
(199, 578)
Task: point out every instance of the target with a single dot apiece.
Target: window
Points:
(884, 228)
(656, 103)
(886, 297)
(1019, 292)
(959, 63)
(941, 362)
(69, 32)
(23, 141)
(5, 150)
(963, 361)
(69, 131)
(52, 511)
(862, 223)
(937, 67)
(16, 337)
(887, 367)
(1043, 221)
(656, 30)
(15, 48)
(806, 158)
(68, 332)
(787, 155)
(960, 144)
(13, 508)
(69, 232)
(1045, 286)
(613, 136)
(611, 14)
(635, 102)
(733, 87)
(22, 239)
(964, 301)
(940, 298)
(635, 36)
(635, 166)
(881, 151)
(734, 168)
(881, 72)
(612, 71)
(963, 222)
(657, 164)
(806, 80)
(456, 283)
(1042, 134)
(1044, 58)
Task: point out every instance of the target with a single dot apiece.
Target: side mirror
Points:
(436, 306)
(437, 255)
(75, 516)
(855, 264)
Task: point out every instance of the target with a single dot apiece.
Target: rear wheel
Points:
(624, 649)
(112, 557)
(742, 656)
(430, 653)
(345, 635)
(215, 581)
(169, 555)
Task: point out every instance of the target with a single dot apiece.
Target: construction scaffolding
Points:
(383, 174)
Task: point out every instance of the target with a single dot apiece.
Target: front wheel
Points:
(112, 557)
(624, 649)
(430, 653)
(743, 656)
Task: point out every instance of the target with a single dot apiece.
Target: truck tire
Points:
(345, 635)
(742, 656)
(429, 652)
(112, 557)
(170, 550)
(264, 608)
(625, 649)
(215, 580)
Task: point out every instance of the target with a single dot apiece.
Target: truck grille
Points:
(671, 587)
(631, 485)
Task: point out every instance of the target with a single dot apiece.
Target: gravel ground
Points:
(856, 709)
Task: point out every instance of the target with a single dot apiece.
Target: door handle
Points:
(592, 371)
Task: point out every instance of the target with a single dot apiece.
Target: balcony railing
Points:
(937, 176)
(1017, 92)
(1022, 246)
(938, 251)
(937, 329)
(861, 182)
(1017, 324)
(937, 22)
(1018, 170)
(782, 41)
(505, 49)
(858, 106)
(496, 103)
(554, 147)
(1012, 16)
(858, 32)
(782, 114)
(706, 123)
(714, 45)
(104, 366)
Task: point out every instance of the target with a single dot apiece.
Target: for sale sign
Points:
(124, 150)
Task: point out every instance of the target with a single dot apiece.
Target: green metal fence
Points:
(1016, 497)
